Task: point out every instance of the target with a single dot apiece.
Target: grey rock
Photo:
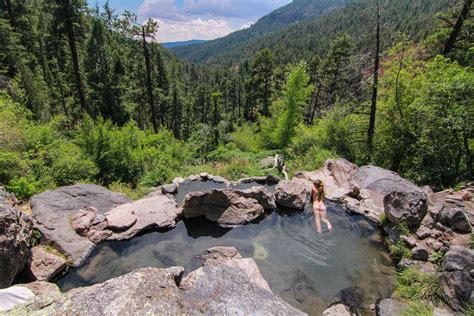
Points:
(82, 221)
(231, 286)
(43, 265)
(261, 194)
(42, 288)
(193, 178)
(292, 194)
(337, 310)
(272, 179)
(455, 219)
(423, 233)
(15, 239)
(225, 207)
(382, 181)
(178, 180)
(170, 188)
(410, 242)
(406, 207)
(53, 212)
(459, 259)
(389, 307)
(204, 175)
(457, 287)
(158, 212)
(420, 253)
(223, 286)
(144, 291)
(268, 162)
(219, 179)
(218, 254)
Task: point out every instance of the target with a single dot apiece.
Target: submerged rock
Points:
(228, 206)
(292, 194)
(225, 284)
(15, 239)
(53, 212)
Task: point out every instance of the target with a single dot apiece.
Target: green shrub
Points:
(134, 194)
(471, 242)
(23, 187)
(69, 166)
(245, 138)
(11, 166)
(414, 285)
(398, 250)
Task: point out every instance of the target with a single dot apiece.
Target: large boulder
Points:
(128, 220)
(231, 285)
(456, 219)
(53, 212)
(15, 239)
(406, 207)
(335, 174)
(360, 189)
(381, 181)
(457, 281)
(292, 194)
(44, 265)
(228, 206)
(226, 284)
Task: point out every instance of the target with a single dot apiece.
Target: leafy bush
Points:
(245, 138)
(23, 187)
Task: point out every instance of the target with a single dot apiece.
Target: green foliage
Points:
(414, 285)
(471, 242)
(245, 138)
(402, 228)
(132, 193)
(398, 250)
(418, 309)
(23, 187)
(383, 219)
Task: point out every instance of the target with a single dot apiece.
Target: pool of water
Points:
(305, 268)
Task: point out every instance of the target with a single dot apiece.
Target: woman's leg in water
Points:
(317, 218)
(324, 219)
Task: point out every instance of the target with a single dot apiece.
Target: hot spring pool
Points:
(305, 268)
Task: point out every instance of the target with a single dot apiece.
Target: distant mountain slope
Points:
(181, 44)
(413, 17)
(298, 10)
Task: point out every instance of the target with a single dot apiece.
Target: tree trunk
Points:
(315, 103)
(74, 55)
(149, 84)
(469, 157)
(373, 108)
(457, 27)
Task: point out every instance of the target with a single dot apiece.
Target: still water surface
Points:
(305, 268)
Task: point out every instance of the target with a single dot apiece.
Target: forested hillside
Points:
(413, 18)
(87, 96)
(298, 10)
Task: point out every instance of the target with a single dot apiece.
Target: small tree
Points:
(296, 94)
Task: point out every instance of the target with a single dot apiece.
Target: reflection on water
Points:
(306, 268)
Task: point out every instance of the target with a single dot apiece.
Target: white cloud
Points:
(171, 31)
(204, 19)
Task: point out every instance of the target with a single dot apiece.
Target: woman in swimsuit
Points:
(319, 208)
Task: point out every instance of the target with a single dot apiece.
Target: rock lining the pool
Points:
(74, 219)
(225, 284)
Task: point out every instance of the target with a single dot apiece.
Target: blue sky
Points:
(182, 20)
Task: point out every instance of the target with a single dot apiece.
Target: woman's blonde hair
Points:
(321, 194)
